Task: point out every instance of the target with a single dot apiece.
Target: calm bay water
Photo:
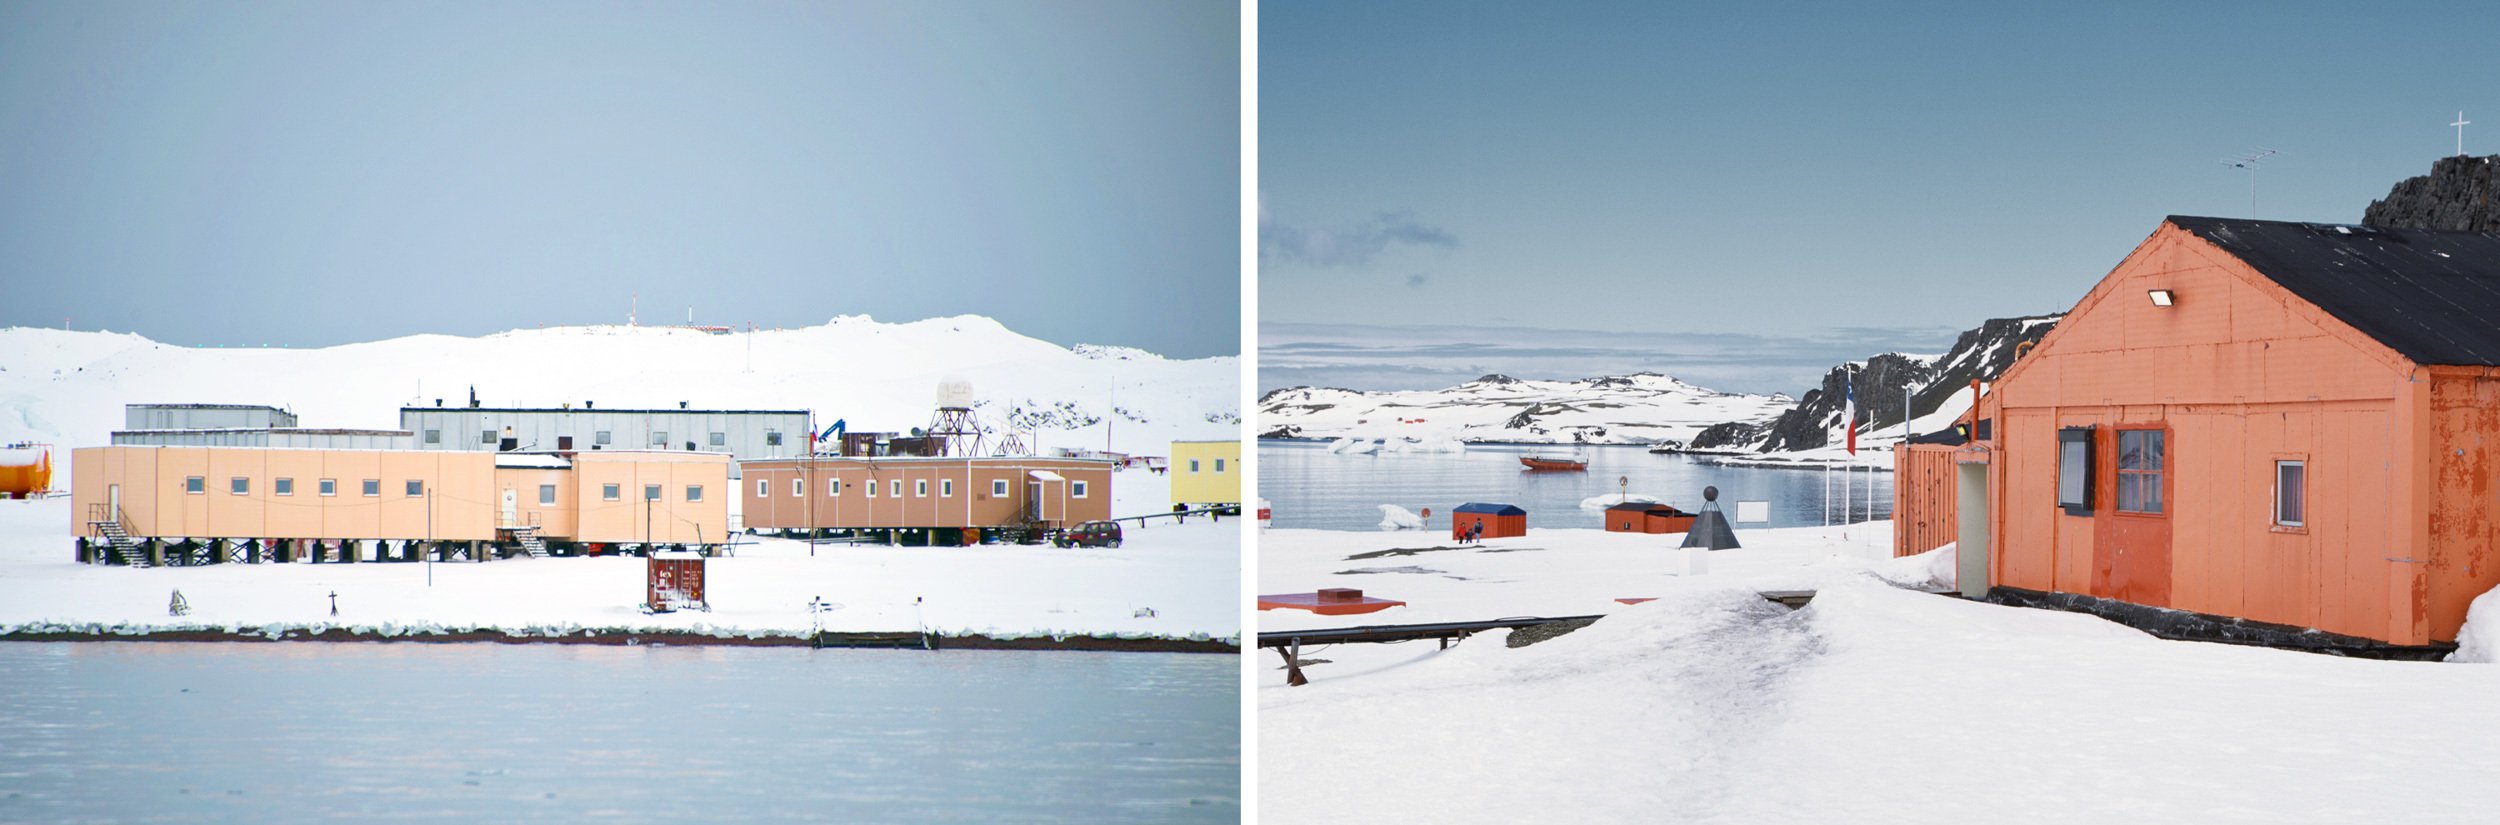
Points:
(1309, 487)
(302, 731)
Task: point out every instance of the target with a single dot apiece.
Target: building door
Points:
(511, 507)
(2132, 547)
(1970, 513)
(113, 496)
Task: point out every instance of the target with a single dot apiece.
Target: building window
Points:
(1219, 465)
(564, 442)
(2139, 471)
(2291, 495)
(659, 438)
(283, 486)
(195, 484)
(772, 438)
(373, 487)
(946, 488)
(416, 489)
(546, 494)
(694, 492)
(920, 488)
(486, 436)
(1193, 465)
(720, 439)
(762, 488)
(897, 488)
(609, 492)
(329, 486)
(1076, 488)
(798, 487)
(833, 487)
(241, 486)
(434, 436)
(600, 437)
(998, 488)
(2074, 470)
(872, 489)
(650, 492)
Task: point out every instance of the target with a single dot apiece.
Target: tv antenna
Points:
(2461, 124)
(2249, 162)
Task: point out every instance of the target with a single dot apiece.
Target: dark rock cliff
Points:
(2458, 194)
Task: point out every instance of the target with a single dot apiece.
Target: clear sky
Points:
(1790, 170)
(315, 173)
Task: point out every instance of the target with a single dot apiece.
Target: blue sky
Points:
(314, 173)
(1797, 171)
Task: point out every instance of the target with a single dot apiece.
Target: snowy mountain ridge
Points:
(67, 388)
(1641, 408)
(1935, 387)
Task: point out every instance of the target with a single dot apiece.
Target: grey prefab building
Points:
(743, 434)
(204, 417)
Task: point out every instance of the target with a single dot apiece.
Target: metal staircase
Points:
(530, 542)
(110, 523)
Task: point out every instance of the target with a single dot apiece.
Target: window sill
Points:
(2289, 530)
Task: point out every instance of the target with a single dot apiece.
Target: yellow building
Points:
(1206, 473)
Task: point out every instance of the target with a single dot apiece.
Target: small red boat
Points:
(1552, 461)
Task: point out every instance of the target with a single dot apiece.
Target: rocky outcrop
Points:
(2458, 194)
(1983, 353)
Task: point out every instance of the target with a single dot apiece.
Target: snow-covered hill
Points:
(67, 388)
(1642, 408)
(1936, 387)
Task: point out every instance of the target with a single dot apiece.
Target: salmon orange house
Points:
(2267, 423)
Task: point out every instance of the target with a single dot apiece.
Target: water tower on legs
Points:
(954, 431)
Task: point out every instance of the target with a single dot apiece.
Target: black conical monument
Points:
(1710, 528)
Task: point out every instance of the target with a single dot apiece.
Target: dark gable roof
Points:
(1491, 509)
(2433, 297)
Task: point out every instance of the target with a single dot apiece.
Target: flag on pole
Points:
(1849, 413)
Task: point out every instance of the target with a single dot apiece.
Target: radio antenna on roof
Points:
(2249, 162)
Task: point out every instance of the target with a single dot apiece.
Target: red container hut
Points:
(1499, 520)
(675, 581)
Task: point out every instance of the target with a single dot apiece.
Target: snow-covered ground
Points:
(1872, 704)
(1185, 574)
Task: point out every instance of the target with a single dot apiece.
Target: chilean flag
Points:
(1849, 413)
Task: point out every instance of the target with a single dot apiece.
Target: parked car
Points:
(1091, 534)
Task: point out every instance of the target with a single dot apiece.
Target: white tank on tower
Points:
(954, 393)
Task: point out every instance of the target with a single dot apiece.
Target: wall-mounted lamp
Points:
(2161, 297)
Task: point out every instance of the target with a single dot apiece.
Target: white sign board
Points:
(1753, 512)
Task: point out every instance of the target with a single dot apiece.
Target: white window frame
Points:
(418, 488)
(896, 488)
(239, 485)
(195, 485)
(650, 492)
(282, 487)
(798, 487)
(546, 495)
(720, 439)
(763, 488)
(372, 488)
(1193, 465)
(998, 488)
(2303, 464)
(328, 487)
(833, 487)
(611, 492)
(1219, 465)
(946, 488)
(694, 493)
(659, 438)
(872, 488)
(919, 488)
(1077, 489)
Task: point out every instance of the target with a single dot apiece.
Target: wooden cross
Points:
(2460, 124)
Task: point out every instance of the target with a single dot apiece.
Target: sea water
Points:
(304, 731)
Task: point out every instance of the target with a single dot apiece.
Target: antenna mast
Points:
(2249, 162)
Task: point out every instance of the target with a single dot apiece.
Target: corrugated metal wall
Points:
(1923, 492)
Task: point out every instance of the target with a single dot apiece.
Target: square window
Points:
(486, 436)
(283, 486)
(242, 486)
(373, 487)
(416, 489)
(2291, 496)
(694, 492)
(610, 492)
(798, 487)
(546, 494)
(1076, 489)
(329, 486)
(434, 436)
(946, 488)
(998, 488)
(772, 438)
(650, 492)
(659, 438)
(600, 437)
(720, 439)
(195, 484)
